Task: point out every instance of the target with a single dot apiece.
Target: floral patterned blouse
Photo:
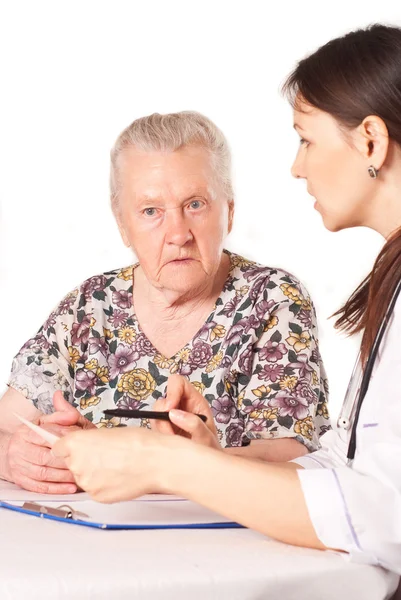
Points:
(255, 359)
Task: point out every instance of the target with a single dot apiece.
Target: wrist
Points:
(174, 464)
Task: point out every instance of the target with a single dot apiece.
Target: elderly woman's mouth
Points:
(181, 261)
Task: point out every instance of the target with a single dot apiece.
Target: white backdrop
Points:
(73, 74)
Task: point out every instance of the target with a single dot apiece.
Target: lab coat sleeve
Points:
(357, 508)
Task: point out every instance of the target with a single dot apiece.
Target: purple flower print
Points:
(66, 304)
(251, 322)
(234, 433)
(272, 351)
(257, 425)
(231, 305)
(234, 334)
(128, 403)
(118, 318)
(264, 307)
(254, 271)
(271, 373)
(143, 346)
(246, 360)
(122, 298)
(223, 409)
(226, 362)
(50, 321)
(305, 316)
(94, 284)
(304, 390)
(290, 405)
(258, 404)
(122, 361)
(302, 365)
(256, 287)
(42, 342)
(85, 381)
(200, 355)
(203, 333)
(98, 345)
(80, 331)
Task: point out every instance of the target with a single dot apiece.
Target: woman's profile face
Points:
(334, 169)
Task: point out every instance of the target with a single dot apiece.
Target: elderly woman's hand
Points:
(119, 464)
(183, 402)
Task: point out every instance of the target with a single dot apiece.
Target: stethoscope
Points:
(359, 381)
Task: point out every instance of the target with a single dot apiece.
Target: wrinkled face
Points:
(334, 165)
(174, 214)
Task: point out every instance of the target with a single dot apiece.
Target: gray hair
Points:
(170, 132)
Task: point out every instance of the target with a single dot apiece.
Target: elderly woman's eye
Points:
(195, 204)
(150, 212)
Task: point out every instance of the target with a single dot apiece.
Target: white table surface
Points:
(42, 559)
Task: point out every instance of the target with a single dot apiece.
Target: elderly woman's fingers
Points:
(65, 414)
(176, 391)
(198, 431)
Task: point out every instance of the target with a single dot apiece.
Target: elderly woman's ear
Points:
(231, 208)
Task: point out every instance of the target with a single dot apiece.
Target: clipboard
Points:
(72, 516)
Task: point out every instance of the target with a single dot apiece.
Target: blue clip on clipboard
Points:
(66, 514)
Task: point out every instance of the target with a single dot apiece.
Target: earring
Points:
(373, 172)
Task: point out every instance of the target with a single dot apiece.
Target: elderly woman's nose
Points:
(178, 231)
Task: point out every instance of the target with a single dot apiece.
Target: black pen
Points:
(132, 413)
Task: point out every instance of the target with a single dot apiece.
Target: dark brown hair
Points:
(352, 77)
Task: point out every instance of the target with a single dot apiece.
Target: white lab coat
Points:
(356, 507)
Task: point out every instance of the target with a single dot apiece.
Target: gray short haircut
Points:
(170, 132)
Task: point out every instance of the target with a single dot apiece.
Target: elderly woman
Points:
(243, 334)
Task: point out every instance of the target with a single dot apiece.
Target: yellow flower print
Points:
(103, 374)
(200, 387)
(292, 293)
(214, 362)
(174, 368)
(262, 391)
(272, 322)
(138, 384)
(92, 322)
(288, 383)
(127, 334)
(240, 399)
(87, 402)
(268, 415)
(162, 362)
(74, 355)
(145, 423)
(109, 423)
(183, 355)
(92, 365)
(218, 331)
(315, 378)
(242, 291)
(238, 261)
(108, 334)
(125, 274)
(305, 427)
(322, 410)
(306, 304)
(299, 341)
